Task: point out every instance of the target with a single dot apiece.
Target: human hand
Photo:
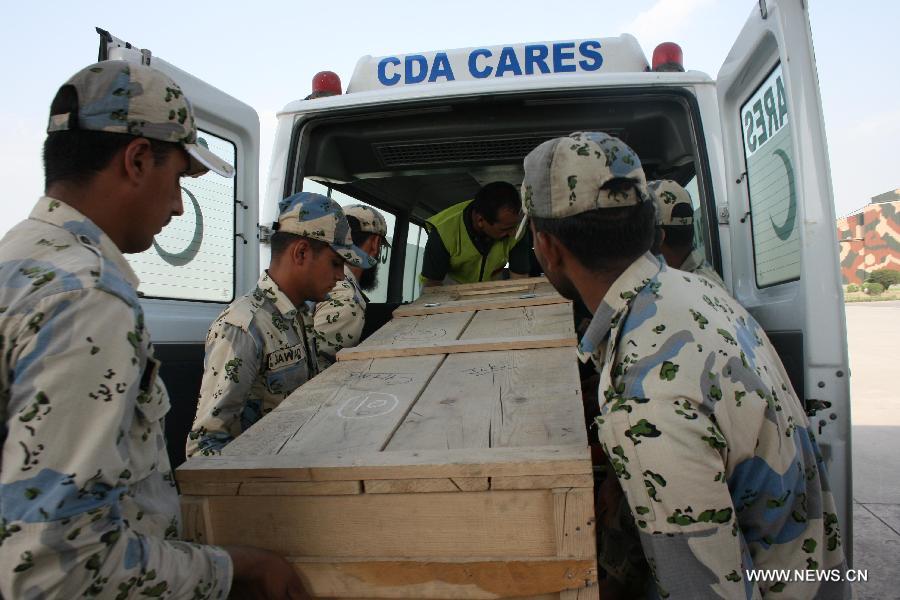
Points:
(263, 575)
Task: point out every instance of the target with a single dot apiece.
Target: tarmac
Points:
(873, 337)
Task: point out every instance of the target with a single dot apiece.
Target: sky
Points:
(266, 53)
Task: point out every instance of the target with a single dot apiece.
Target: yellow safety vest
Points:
(467, 264)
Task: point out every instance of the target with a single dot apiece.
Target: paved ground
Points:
(873, 331)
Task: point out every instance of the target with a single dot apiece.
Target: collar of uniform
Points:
(281, 301)
(693, 260)
(616, 301)
(348, 274)
(58, 213)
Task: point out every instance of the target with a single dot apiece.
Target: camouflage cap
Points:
(370, 220)
(319, 218)
(566, 176)
(673, 203)
(122, 97)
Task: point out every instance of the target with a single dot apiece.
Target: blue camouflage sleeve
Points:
(87, 502)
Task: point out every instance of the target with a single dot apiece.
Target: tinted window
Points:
(193, 257)
(768, 152)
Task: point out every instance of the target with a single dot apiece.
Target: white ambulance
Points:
(415, 133)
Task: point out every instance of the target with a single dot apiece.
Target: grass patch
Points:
(863, 297)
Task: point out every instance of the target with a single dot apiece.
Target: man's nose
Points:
(178, 209)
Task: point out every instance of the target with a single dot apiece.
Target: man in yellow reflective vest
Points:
(474, 240)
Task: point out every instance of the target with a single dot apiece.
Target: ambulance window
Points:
(193, 257)
(768, 152)
(379, 293)
(415, 252)
(701, 232)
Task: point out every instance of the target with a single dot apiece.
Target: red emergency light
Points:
(325, 83)
(668, 57)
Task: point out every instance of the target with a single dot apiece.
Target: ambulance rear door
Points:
(784, 249)
(208, 256)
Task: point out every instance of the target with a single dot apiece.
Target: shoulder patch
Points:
(240, 313)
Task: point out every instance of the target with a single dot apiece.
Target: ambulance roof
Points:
(598, 55)
(436, 90)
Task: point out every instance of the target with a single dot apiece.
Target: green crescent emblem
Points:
(784, 230)
(179, 259)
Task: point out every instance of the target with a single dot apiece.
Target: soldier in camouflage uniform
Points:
(262, 347)
(88, 505)
(339, 321)
(718, 463)
(675, 218)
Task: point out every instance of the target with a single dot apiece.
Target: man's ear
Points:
(550, 249)
(137, 159)
(301, 252)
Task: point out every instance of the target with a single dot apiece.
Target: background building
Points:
(870, 238)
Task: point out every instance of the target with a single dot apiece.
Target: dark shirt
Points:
(436, 260)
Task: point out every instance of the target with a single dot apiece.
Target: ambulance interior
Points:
(413, 162)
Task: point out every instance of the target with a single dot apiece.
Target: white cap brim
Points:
(523, 225)
(206, 160)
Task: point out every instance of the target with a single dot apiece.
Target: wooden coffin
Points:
(445, 457)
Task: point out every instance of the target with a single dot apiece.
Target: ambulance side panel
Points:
(784, 250)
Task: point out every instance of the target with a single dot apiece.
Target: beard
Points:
(368, 281)
(563, 286)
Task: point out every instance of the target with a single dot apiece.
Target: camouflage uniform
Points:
(696, 263)
(258, 351)
(262, 347)
(339, 321)
(713, 450)
(668, 195)
(89, 505)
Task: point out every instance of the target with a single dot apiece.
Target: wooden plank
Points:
(427, 464)
(432, 327)
(196, 525)
(522, 321)
(483, 285)
(575, 523)
(591, 592)
(457, 346)
(360, 415)
(472, 484)
(505, 290)
(300, 488)
(498, 399)
(451, 525)
(409, 486)
(429, 578)
(478, 304)
(412, 486)
(209, 488)
(543, 482)
(269, 435)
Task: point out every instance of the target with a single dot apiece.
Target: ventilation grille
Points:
(470, 150)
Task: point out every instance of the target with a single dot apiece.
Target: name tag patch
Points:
(285, 356)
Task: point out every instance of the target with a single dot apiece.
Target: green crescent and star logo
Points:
(784, 230)
(179, 259)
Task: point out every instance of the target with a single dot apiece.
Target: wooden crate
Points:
(445, 457)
